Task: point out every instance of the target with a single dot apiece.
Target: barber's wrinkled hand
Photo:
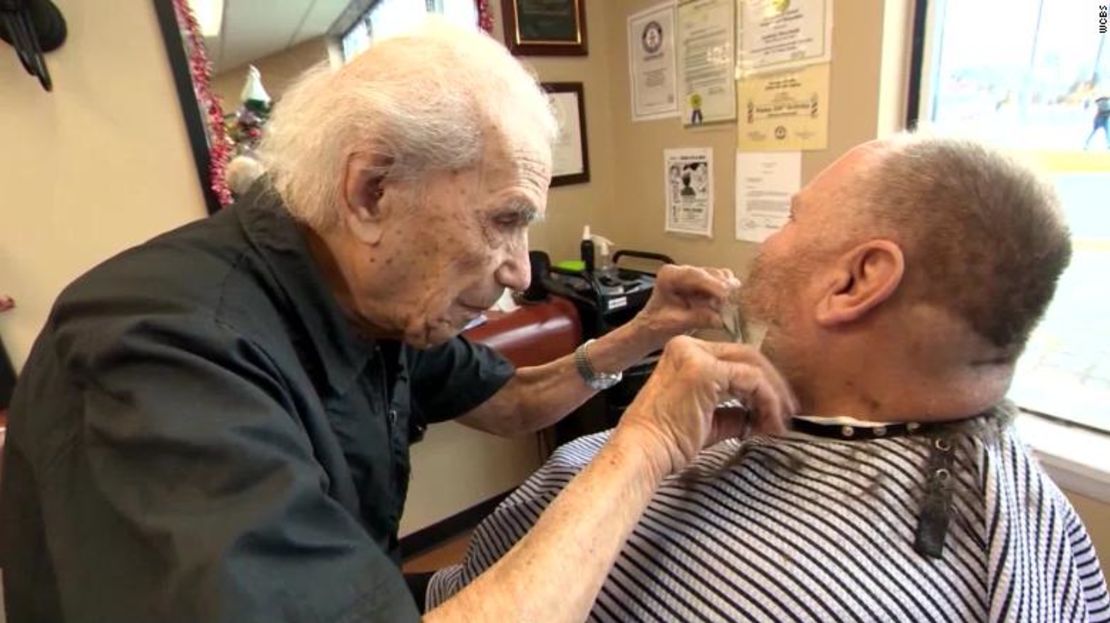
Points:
(685, 298)
(677, 408)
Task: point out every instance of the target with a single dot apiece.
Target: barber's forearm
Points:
(555, 571)
(559, 389)
(624, 346)
(535, 398)
(540, 396)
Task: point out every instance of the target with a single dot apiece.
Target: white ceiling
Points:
(252, 29)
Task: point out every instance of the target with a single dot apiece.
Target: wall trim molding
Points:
(422, 540)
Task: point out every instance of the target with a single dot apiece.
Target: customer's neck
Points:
(911, 401)
(917, 362)
(891, 394)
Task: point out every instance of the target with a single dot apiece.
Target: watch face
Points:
(604, 381)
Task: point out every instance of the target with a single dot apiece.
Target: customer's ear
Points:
(861, 280)
(363, 187)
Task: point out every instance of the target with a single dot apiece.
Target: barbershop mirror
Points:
(225, 111)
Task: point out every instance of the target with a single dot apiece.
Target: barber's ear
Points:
(363, 187)
(862, 279)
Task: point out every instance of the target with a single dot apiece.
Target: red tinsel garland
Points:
(485, 17)
(219, 149)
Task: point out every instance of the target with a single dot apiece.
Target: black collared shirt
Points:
(199, 435)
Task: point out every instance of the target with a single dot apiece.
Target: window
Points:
(1031, 76)
(386, 18)
(461, 12)
(356, 40)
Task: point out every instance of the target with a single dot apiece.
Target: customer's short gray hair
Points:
(983, 234)
(422, 100)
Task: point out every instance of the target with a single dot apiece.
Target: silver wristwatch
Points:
(594, 379)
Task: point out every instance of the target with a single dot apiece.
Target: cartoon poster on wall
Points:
(688, 183)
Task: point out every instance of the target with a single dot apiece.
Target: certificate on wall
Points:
(688, 183)
(706, 60)
(784, 111)
(779, 34)
(544, 27)
(570, 159)
(651, 63)
(765, 184)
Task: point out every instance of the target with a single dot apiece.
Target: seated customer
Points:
(896, 299)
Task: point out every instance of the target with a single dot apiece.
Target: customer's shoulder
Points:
(1018, 470)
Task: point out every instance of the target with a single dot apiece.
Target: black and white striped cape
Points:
(802, 528)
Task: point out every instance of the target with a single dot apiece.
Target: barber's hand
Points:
(676, 415)
(685, 298)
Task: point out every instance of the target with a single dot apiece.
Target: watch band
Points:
(593, 378)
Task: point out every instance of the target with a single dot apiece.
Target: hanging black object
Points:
(7, 373)
(33, 27)
(7, 378)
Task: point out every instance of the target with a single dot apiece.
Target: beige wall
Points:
(624, 199)
(635, 219)
(571, 207)
(278, 71)
(456, 467)
(1096, 516)
(98, 165)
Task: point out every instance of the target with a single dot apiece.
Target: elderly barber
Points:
(214, 426)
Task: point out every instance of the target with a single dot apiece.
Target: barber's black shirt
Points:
(200, 435)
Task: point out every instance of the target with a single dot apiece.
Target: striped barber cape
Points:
(804, 528)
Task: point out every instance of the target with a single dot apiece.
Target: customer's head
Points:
(420, 164)
(925, 258)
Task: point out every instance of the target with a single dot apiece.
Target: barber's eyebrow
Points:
(524, 211)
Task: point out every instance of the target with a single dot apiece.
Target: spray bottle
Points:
(590, 247)
(605, 266)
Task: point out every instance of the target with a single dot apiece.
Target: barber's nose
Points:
(516, 271)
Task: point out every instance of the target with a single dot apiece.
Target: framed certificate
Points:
(570, 159)
(545, 27)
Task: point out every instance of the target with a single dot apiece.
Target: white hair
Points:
(422, 100)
